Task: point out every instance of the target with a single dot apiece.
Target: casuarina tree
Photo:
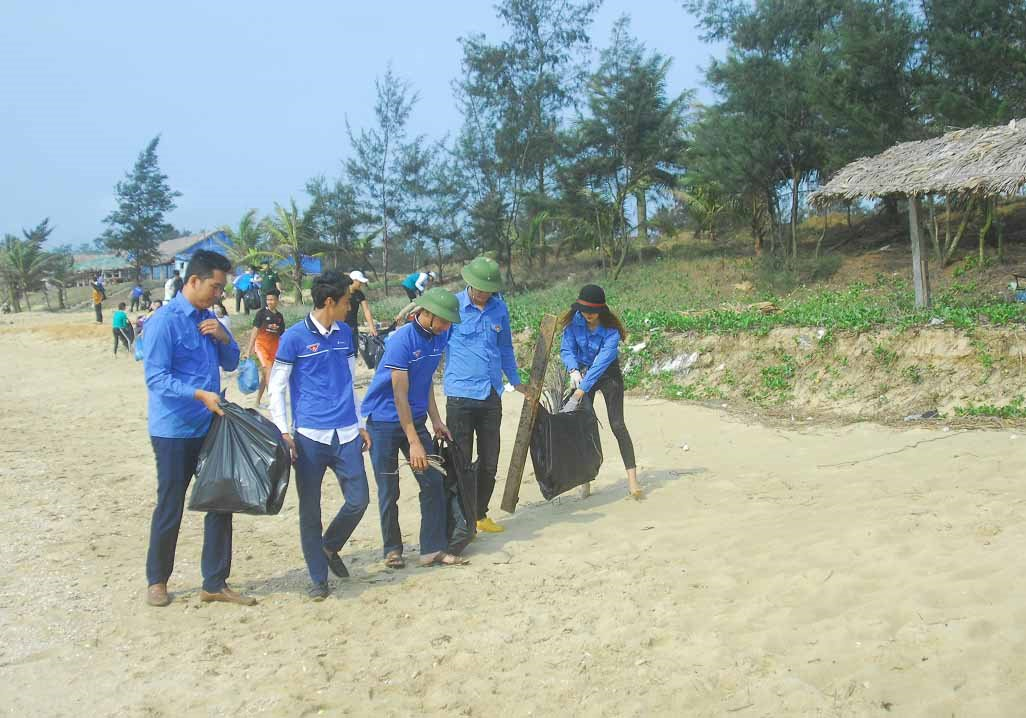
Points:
(135, 228)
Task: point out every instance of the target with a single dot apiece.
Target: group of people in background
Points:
(309, 371)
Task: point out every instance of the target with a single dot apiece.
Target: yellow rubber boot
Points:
(489, 526)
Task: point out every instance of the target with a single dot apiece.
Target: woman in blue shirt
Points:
(590, 350)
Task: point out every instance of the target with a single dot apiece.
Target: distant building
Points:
(115, 269)
(175, 253)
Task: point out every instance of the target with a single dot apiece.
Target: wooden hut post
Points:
(920, 269)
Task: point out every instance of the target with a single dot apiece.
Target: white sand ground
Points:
(853, 571)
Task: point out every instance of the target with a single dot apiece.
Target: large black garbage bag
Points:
(566, 450)
(243, 466)
(252, 298)
(372, 348)
(460, 494)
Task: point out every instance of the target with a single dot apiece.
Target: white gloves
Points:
(571, 405)
(576, 378)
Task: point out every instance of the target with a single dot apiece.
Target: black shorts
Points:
(411, 294)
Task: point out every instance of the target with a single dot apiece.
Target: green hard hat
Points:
(441, 303)
(483, 275)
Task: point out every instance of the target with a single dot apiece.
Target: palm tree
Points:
(25, 267)
(247, 239)
(291, 237)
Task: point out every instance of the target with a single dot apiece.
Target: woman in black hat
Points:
(590, 350)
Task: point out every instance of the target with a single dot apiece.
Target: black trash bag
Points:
(243, 466)
(252, 298)
(372, 348)
(460, 495)
(566, 449)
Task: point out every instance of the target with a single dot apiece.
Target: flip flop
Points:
(394, 560)
(444, 559)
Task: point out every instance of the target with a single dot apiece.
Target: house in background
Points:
(115, 269)
(175, 253)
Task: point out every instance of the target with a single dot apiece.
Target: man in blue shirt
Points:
(316, 360)
(184, 349)
(242, 284)
(401, 396)
(480, 351)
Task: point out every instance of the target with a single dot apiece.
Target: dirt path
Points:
(819, 572)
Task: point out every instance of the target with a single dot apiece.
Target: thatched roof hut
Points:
(980, 160)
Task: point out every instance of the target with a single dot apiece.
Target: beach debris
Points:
(936, 322)
(931, 414)
(765, 307)
(803, 342)
(638, 347)
(681, 364)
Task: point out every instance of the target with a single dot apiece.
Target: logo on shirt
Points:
(497, 327)
(313, 347)
(417, 353)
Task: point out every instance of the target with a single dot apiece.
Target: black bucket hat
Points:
(591, 298)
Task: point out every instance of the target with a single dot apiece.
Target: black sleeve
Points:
(258, 319)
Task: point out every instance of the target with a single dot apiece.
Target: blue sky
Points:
(250, 98)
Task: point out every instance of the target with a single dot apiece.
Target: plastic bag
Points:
(372, 348)
(460, 495)
(138, 348)
(252, 298)
(243, 466)
(566, 450)
(249, 376)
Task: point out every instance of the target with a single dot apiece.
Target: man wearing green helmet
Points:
(398, 402)
(480, 351)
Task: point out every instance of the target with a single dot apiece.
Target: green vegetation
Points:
(1016, 409)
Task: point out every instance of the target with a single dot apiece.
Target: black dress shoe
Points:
(335, 564)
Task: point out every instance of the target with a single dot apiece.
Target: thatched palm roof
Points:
(979, 160)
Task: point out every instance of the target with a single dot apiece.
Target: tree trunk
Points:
(822, 234)
(60, 296)
(796, 178)
(920, 270)
(949, 251)
(297, 276)
(848, 205)
(438, 251)
(46, 297)
(642, 201)
(987, 222)
(28, 302)
(384, 248)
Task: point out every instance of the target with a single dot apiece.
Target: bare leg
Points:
(263, 384)
(633, 487)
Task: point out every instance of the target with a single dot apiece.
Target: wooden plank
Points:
(920, 269)
(522, 445)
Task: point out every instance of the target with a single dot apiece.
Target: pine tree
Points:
(136, 227)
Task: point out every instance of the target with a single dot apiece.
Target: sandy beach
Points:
(800, 571)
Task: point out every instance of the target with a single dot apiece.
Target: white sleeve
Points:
(356, 404)
(421, 281)
(280, 373)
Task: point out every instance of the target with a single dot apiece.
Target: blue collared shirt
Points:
(582, 348)
(412, 349)
(178, 361)
(480, 350)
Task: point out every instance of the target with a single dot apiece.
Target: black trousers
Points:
(98, 308)
(467, 418)
(134, 305)
(611, 386)
(411, 294)
(123, 336)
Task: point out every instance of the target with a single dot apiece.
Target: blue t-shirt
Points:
(320, 386)
(411, 280)
(412, 349)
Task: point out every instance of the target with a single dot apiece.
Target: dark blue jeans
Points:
(387, 440)
(176, 463)
(346, 460)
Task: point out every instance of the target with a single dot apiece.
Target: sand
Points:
(806, 571)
